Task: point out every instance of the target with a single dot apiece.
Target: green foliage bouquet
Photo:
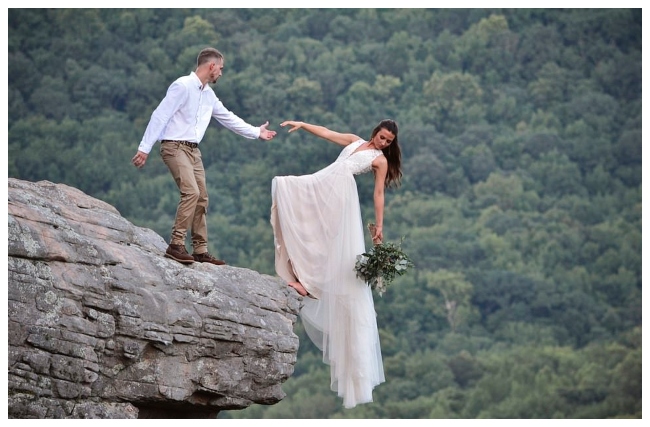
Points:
(379, 266)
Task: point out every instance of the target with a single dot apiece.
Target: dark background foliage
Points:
(520, 204)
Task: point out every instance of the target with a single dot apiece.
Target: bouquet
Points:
(379, 266)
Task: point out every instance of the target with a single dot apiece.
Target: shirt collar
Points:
(197, 81)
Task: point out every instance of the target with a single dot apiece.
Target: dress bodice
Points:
(359, 162)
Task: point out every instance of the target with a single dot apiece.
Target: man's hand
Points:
(139, 159)
(266, 134)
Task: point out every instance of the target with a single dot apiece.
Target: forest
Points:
(520, 203)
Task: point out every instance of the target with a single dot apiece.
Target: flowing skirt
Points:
(318, 233)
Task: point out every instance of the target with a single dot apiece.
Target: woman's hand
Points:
(378, 235)
(294, 125)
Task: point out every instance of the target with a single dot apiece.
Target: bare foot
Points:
(299, 288)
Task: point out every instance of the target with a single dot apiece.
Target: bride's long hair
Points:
(392, 153)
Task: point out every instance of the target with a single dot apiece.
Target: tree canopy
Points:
(520, 203)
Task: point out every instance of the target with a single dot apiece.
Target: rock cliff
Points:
(101, 325)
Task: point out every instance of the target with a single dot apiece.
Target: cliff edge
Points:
(101, 325)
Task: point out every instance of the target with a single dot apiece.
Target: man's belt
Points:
(189, 144)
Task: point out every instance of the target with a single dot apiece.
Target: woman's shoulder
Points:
(380, 162)
(352, 139)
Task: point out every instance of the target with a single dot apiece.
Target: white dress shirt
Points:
(185, 112)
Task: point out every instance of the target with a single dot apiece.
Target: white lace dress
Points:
(318, 233)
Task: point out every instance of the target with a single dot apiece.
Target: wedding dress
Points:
(318, 232)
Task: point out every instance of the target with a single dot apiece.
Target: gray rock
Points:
(101, 325)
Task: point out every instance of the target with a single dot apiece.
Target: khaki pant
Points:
(186, 166)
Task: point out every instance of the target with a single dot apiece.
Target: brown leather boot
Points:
(206, 257)
(179, 253)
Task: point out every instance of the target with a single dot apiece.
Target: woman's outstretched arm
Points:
(322, 132)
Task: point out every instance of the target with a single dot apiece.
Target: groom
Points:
(179, 123)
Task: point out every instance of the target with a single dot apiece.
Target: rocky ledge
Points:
(101, 325)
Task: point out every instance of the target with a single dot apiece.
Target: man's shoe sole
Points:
(221, 262)
(182, 261)
(208, 262)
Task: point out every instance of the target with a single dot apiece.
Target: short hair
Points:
(208, 54)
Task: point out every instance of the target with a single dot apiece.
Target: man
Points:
(179, 122)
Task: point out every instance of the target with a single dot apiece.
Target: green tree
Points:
(453, 294)
(455, 101)
(488, 49)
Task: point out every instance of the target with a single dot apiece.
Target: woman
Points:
(318, 234)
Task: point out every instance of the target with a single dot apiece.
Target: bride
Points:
(318, 232)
